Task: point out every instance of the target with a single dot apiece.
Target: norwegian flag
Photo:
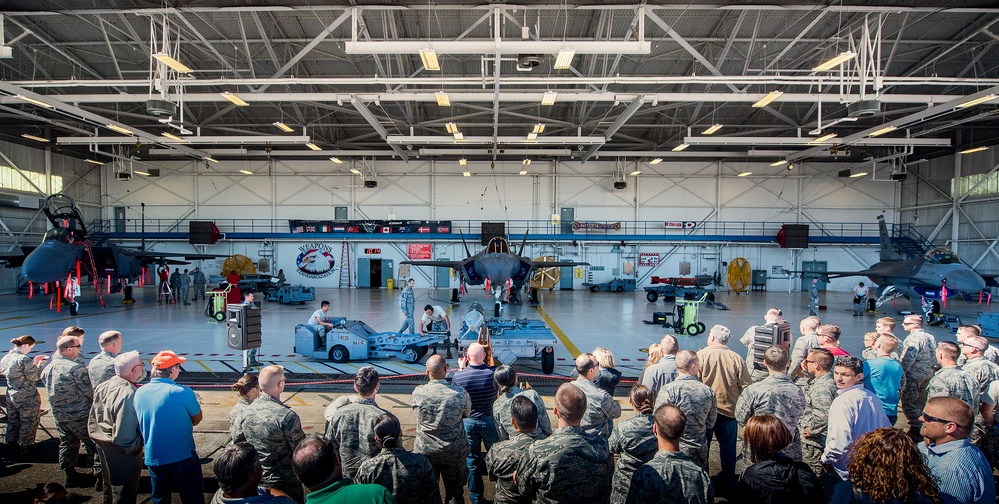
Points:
(443, 229)
(423, 229)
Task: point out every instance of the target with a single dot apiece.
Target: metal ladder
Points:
(93, 272)
(345, 276)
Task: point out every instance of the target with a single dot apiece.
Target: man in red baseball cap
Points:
(167, 413)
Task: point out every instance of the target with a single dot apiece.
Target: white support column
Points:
(955, 215)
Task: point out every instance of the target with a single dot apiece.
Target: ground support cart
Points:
(354, 340)
(510, 339)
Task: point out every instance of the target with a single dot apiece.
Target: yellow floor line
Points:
(310, 369)
(573, 351)
(202, 364)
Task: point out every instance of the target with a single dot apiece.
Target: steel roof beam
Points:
(373, 121)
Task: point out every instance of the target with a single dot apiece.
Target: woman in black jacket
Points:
(774, 478)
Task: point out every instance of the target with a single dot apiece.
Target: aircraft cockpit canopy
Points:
(941, 255)
(498, 245)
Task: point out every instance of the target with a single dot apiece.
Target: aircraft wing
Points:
(12, 259)
(145, 254)
(436, 264)
(557, 264)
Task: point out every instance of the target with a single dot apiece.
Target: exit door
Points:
(373, 273)
(119, 219)
(809, 270)
(443, 279)
(565, 276)
(566, 217)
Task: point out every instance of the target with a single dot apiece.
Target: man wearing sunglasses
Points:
(959, 467)
(71, 396)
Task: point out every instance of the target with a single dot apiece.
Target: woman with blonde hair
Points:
(656, 354)
(248, 388)
(23, 400)
(886, 468)
(608, 377)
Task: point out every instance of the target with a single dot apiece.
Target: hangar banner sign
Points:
(315, 260)
(680, 225)
(646, 259)
(603, 226)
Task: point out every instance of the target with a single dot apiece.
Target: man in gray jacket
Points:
(114, 428)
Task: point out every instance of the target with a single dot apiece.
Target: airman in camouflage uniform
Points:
(274, 430)
(101, 367)
(633, 442)
(506, 379)
(983, 371)
(917, 362)
(776, 395)
(78, 333)
(965, 331)
(756, 371)
(698, 404)
(570, 466)
(670, 477)
(185, 286)
(407, 475)
(952, 381)
(71, 396)
(23, 400)
(502, 461)
(407, 303)
(819, 395)
(351, 430)
(440, 432)
(807, 341)
(236, 416)
(601, 408)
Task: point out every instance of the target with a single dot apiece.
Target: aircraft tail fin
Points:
(887, 248)
(523, 244)
(469, 252)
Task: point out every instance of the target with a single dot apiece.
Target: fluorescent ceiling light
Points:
(712, 129)
(532, 136)
(355, 171)
(680, 147)
(549, 98)
(459, 135)
(284, 127)
(467, 173)
(119, 129)
(451, 127)
(235, 100)
(175, 138)
(313, 146)
(462, 161)
(442, 99)
(778, 163)
(35, 138)
(745, 174)
(977, 101)
(976, 149)
(539, 128)
(635, 173)
(823, 138)
(92, 161)
(524, 171)
(773, 95)
(859, 174)
(336, 160)
(656, 161)
(882, 131)
(835, 61)
(171, 62)
(526, 161)
(246, 172)
(429, 58)
(34, 101)
(140, 172)
(564, 59)
(213, 160)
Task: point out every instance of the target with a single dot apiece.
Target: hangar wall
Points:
(699, 191)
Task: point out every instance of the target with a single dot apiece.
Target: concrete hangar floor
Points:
(582, 320)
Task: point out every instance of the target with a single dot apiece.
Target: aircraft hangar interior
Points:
(676, 149)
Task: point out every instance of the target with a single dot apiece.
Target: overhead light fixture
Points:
(680, 147)
(656, 161)
(175, 138)
(459, 135)
(442, 99)
(235, 100)
(119, 129)
(246, 172)
(211, 159)
(779, 163)
(635, 173)
(355, 171)
(974, 150)
(35, 138)
(835, 61)
(549, 98)
(564, 59)
(526, 161)
(823, 138)
(336, 160)
(882, 131)
(140, 172)
(428, 56)
(171, 62)
(34, 101)
(977, 101)
(94, 161)
(284, 127)
(451, 127)
(466, 173)
(523, 171)
(462, 161)
(859, 174)
(790, 167)
(712, 129)
(745, 174)
(313, 146)
(773, 95)
(539, 128)
(532, 136)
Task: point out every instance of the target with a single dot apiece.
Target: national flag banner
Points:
(423, 229)
(339, 229)
(386, 229)
(443, 229)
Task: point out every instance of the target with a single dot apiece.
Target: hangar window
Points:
(26, 181)
(979, 184)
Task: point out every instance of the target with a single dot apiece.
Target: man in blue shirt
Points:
(959, 467)
(477, 379)
(883, 375)
(167, 414)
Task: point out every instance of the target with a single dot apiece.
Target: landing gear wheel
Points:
(339, 354)
(652, 297)
(701, 327)
(593, 288)
(693, 330)
(282, 300)
(74, 308)
(547, 360)
(423, 351)
(220, 316)
(411, 354)
(619, 289)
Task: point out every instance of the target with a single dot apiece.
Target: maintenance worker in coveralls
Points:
(408, 306)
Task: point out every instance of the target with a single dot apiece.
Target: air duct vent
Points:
(527, 62)
(161, 108)
(371, 184)
(620, 185)
(864, 108)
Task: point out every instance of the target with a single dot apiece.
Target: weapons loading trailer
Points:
(510, 339)
(354, 340)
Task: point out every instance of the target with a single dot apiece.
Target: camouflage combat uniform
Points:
(776, 395)
(23, 400)
(991, 354)
(670, 478)
(757, 371)
(185, 288)
(501, 413)
(570, 466)
(352, 433)
(800, 350)
(918, 357)
(818, 397)
(635, 444)
(71, 396)
(813, 299)
(275, 430)
(601, 408)
(200, 284)
(440, 432)
(407, 303)
(697, 401)
(501, 462)
(407, 475)
(101, 368)
(983, 371)
(236, 416)
(952, 381)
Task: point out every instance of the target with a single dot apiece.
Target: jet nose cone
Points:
(965, 280)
